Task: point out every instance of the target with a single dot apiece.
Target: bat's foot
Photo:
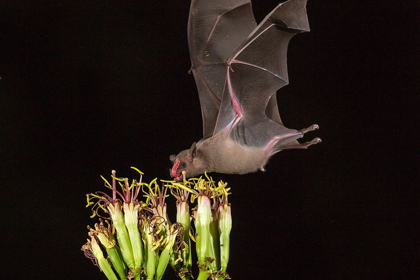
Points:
(262, 168)
(311, 128)
(312, 142)
(297, 145)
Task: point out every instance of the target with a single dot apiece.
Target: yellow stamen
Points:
(103, 208)
(184, 188)
(119, 179)
(106, 181)
(192, 236)
(167, 181)
(185, 246)
(179, 259)
(141, 173)
(157, 244)
(159, 230)
(97, 196)
(89, 203)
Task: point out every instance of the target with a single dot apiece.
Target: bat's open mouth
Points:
(174, 168)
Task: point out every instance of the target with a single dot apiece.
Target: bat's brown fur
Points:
(220, 154)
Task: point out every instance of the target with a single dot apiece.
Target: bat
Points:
(238, 67)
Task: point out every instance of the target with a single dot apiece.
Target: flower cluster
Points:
(139, 239)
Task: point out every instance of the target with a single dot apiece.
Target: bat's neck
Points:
(207, 155)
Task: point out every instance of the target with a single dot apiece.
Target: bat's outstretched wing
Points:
(216, 29)
(238, 67)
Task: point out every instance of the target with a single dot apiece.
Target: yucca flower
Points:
(126, 226)
(151, 226)
(131, 210)
(93, 251)
(175, 232)
(224, 226)
(206, 219)
(139, 239)
(183, 269)
(113, 207)
(106, 237)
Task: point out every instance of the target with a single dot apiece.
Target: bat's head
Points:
(188, 161)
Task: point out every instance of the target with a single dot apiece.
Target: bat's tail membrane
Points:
(263, 133)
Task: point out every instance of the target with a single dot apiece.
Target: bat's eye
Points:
(183, 164)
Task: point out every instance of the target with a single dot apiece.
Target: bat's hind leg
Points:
(311, 128)
(296, 145)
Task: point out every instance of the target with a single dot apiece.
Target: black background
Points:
(91, 86)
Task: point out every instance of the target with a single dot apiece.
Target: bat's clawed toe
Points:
(308, 129)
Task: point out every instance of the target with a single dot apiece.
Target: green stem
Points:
(203, 275)
(107, 270)
(151, 257)
(214, 251)
(164, 258)
(102, 262)
(117, 262)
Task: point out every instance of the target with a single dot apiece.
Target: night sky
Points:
(91, 86)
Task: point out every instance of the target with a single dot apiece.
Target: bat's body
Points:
(238, 67)
(227, 156)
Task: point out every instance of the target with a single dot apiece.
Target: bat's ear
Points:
(172, 158)
(193, 150)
